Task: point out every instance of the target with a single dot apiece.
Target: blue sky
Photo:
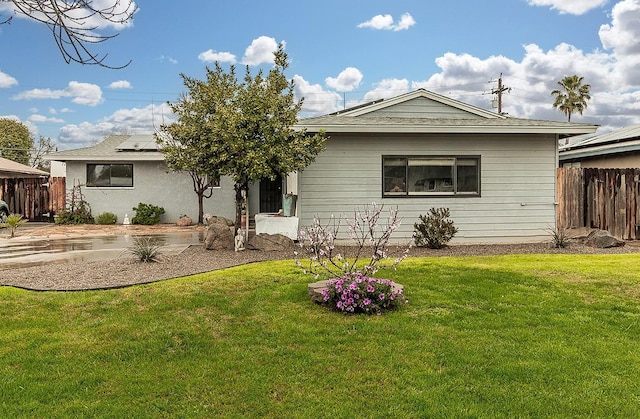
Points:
(341, 52)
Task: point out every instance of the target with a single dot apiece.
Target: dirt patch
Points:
(125, 270)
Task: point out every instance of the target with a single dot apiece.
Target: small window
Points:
(430, 176)
(109, 175)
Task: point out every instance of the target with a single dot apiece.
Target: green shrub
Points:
(435, 229)
(146, 249)
(78, 210)
(559, 237)
(13, 221)
(106, 218)
(147, 214)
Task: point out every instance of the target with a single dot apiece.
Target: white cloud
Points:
(81, 93)
(260, 51)
(406, 21)
(133, 121)
(387, 88)
(41, 118)
(210, 56)
(622, 36)
(386, 22)
(120, 84)
(171, 60)
(464, 77)
(574, 7)
(317, 101)
(347, 80)
(7, 81)
(85, 93)
(381, 22)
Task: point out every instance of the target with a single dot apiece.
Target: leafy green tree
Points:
(243, 129)
(572, 97)
(16, 141)
(183, 155)
(187, 143)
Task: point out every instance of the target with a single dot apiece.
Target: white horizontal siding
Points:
(517, 199)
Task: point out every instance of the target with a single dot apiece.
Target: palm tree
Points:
(572, 97)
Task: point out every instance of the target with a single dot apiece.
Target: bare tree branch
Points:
(74, 24)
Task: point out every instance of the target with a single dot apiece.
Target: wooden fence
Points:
(607, 199)
(36, 199)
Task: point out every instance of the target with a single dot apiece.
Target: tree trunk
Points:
(200, 208)
(239, 187)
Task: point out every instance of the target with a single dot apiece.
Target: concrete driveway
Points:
(41, 243)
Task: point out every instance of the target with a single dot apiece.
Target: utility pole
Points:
(501, 89)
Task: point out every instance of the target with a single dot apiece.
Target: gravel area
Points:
(126, 270)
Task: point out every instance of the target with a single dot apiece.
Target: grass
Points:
(500, 336)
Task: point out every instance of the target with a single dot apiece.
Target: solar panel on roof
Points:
(138, 144)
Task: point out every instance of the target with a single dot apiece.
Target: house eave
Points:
(451, 129)
(597, 152)
(123, 156)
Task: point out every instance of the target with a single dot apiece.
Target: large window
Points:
(429, 176)
(110, 175)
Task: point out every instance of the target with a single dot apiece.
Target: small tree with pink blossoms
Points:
(366, 249)
(366, 235)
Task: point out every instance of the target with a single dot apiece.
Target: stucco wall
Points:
(152, 184)
(517, 201)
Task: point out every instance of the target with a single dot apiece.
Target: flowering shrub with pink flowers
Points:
(350, 287)
(357, 293)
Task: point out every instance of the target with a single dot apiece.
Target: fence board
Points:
(607, 199)
(36, 199)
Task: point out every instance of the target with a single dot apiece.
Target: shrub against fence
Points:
(607, 199)
(37, 199)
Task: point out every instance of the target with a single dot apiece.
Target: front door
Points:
(271, 195)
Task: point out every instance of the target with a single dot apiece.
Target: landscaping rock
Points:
(184, 221)
(270, 243)
(315, 291)
(602, 239)
(209, 219)
(219, 237)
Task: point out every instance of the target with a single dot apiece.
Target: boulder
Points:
(184, 221)
(270, 243)
(209, 219)
(602, 239)
(218, 237)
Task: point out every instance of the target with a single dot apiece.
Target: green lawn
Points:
(505, 336)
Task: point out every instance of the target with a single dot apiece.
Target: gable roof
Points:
(114, 148)
(12, 169)
(422, 97)
(422, 112)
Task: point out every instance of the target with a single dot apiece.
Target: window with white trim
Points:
(430, 176)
